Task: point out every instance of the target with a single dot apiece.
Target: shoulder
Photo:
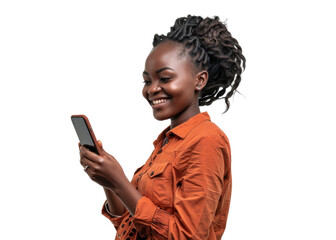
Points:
(209, 133)
(204, 144)
(206, 148)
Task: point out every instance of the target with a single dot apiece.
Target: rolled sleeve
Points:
(149, 218)
(116, 220)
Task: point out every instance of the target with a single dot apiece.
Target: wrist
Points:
(128, 195)
(118, 185)
(120, 188)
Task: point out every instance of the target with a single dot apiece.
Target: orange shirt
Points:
(186, 186)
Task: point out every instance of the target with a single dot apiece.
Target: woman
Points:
(183, 191)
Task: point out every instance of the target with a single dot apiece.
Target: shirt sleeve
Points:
(116, 220)
(201, 171)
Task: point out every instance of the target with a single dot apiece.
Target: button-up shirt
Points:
(186, 186)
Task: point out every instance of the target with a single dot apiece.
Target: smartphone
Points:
(85, 133)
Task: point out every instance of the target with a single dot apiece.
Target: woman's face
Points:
(170, 83)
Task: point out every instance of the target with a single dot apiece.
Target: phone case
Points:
(87, 122)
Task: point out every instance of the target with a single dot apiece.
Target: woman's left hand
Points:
(104, 170)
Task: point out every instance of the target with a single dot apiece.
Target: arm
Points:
(115, 206)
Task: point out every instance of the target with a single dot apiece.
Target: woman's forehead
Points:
(170, 53)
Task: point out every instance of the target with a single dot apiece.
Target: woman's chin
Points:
(160, 116)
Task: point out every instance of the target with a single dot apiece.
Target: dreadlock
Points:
(212, 48)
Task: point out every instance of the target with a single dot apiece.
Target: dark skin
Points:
(172, 86)
(172, 77)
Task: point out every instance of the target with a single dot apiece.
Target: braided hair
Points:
(212, 48)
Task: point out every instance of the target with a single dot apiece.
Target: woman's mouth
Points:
(158, 102)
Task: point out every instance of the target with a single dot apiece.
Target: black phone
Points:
(85, 133)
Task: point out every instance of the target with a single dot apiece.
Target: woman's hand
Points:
(107, 172)
(104, 170)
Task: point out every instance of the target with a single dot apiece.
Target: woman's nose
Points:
(153, 89)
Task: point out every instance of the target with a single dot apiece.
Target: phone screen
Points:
(83, 134)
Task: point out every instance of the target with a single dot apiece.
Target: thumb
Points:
(100, 144)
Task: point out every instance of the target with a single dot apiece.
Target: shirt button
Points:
(152, 173)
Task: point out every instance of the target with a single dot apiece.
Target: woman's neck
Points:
(183, 117)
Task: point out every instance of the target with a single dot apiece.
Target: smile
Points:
(158, 101)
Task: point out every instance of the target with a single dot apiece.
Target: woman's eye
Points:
(164, 79)
(146, 82)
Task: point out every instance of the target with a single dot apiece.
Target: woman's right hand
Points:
(107, 172)
(104, 170)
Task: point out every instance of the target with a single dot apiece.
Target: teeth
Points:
(159, 101)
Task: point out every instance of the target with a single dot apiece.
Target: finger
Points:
(89, 155)
(87, 169)
(100, 145)
(88, 166)
(86, 163)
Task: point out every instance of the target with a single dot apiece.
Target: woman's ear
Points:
(202, 79)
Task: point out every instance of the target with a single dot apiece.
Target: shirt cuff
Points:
(144, 211)
(148, 217)
(115, 219)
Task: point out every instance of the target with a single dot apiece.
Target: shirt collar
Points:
(183, 129)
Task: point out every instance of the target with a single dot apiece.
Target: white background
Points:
(59, 58)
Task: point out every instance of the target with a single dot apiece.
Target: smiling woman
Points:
(171, 83)
(183, 191)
